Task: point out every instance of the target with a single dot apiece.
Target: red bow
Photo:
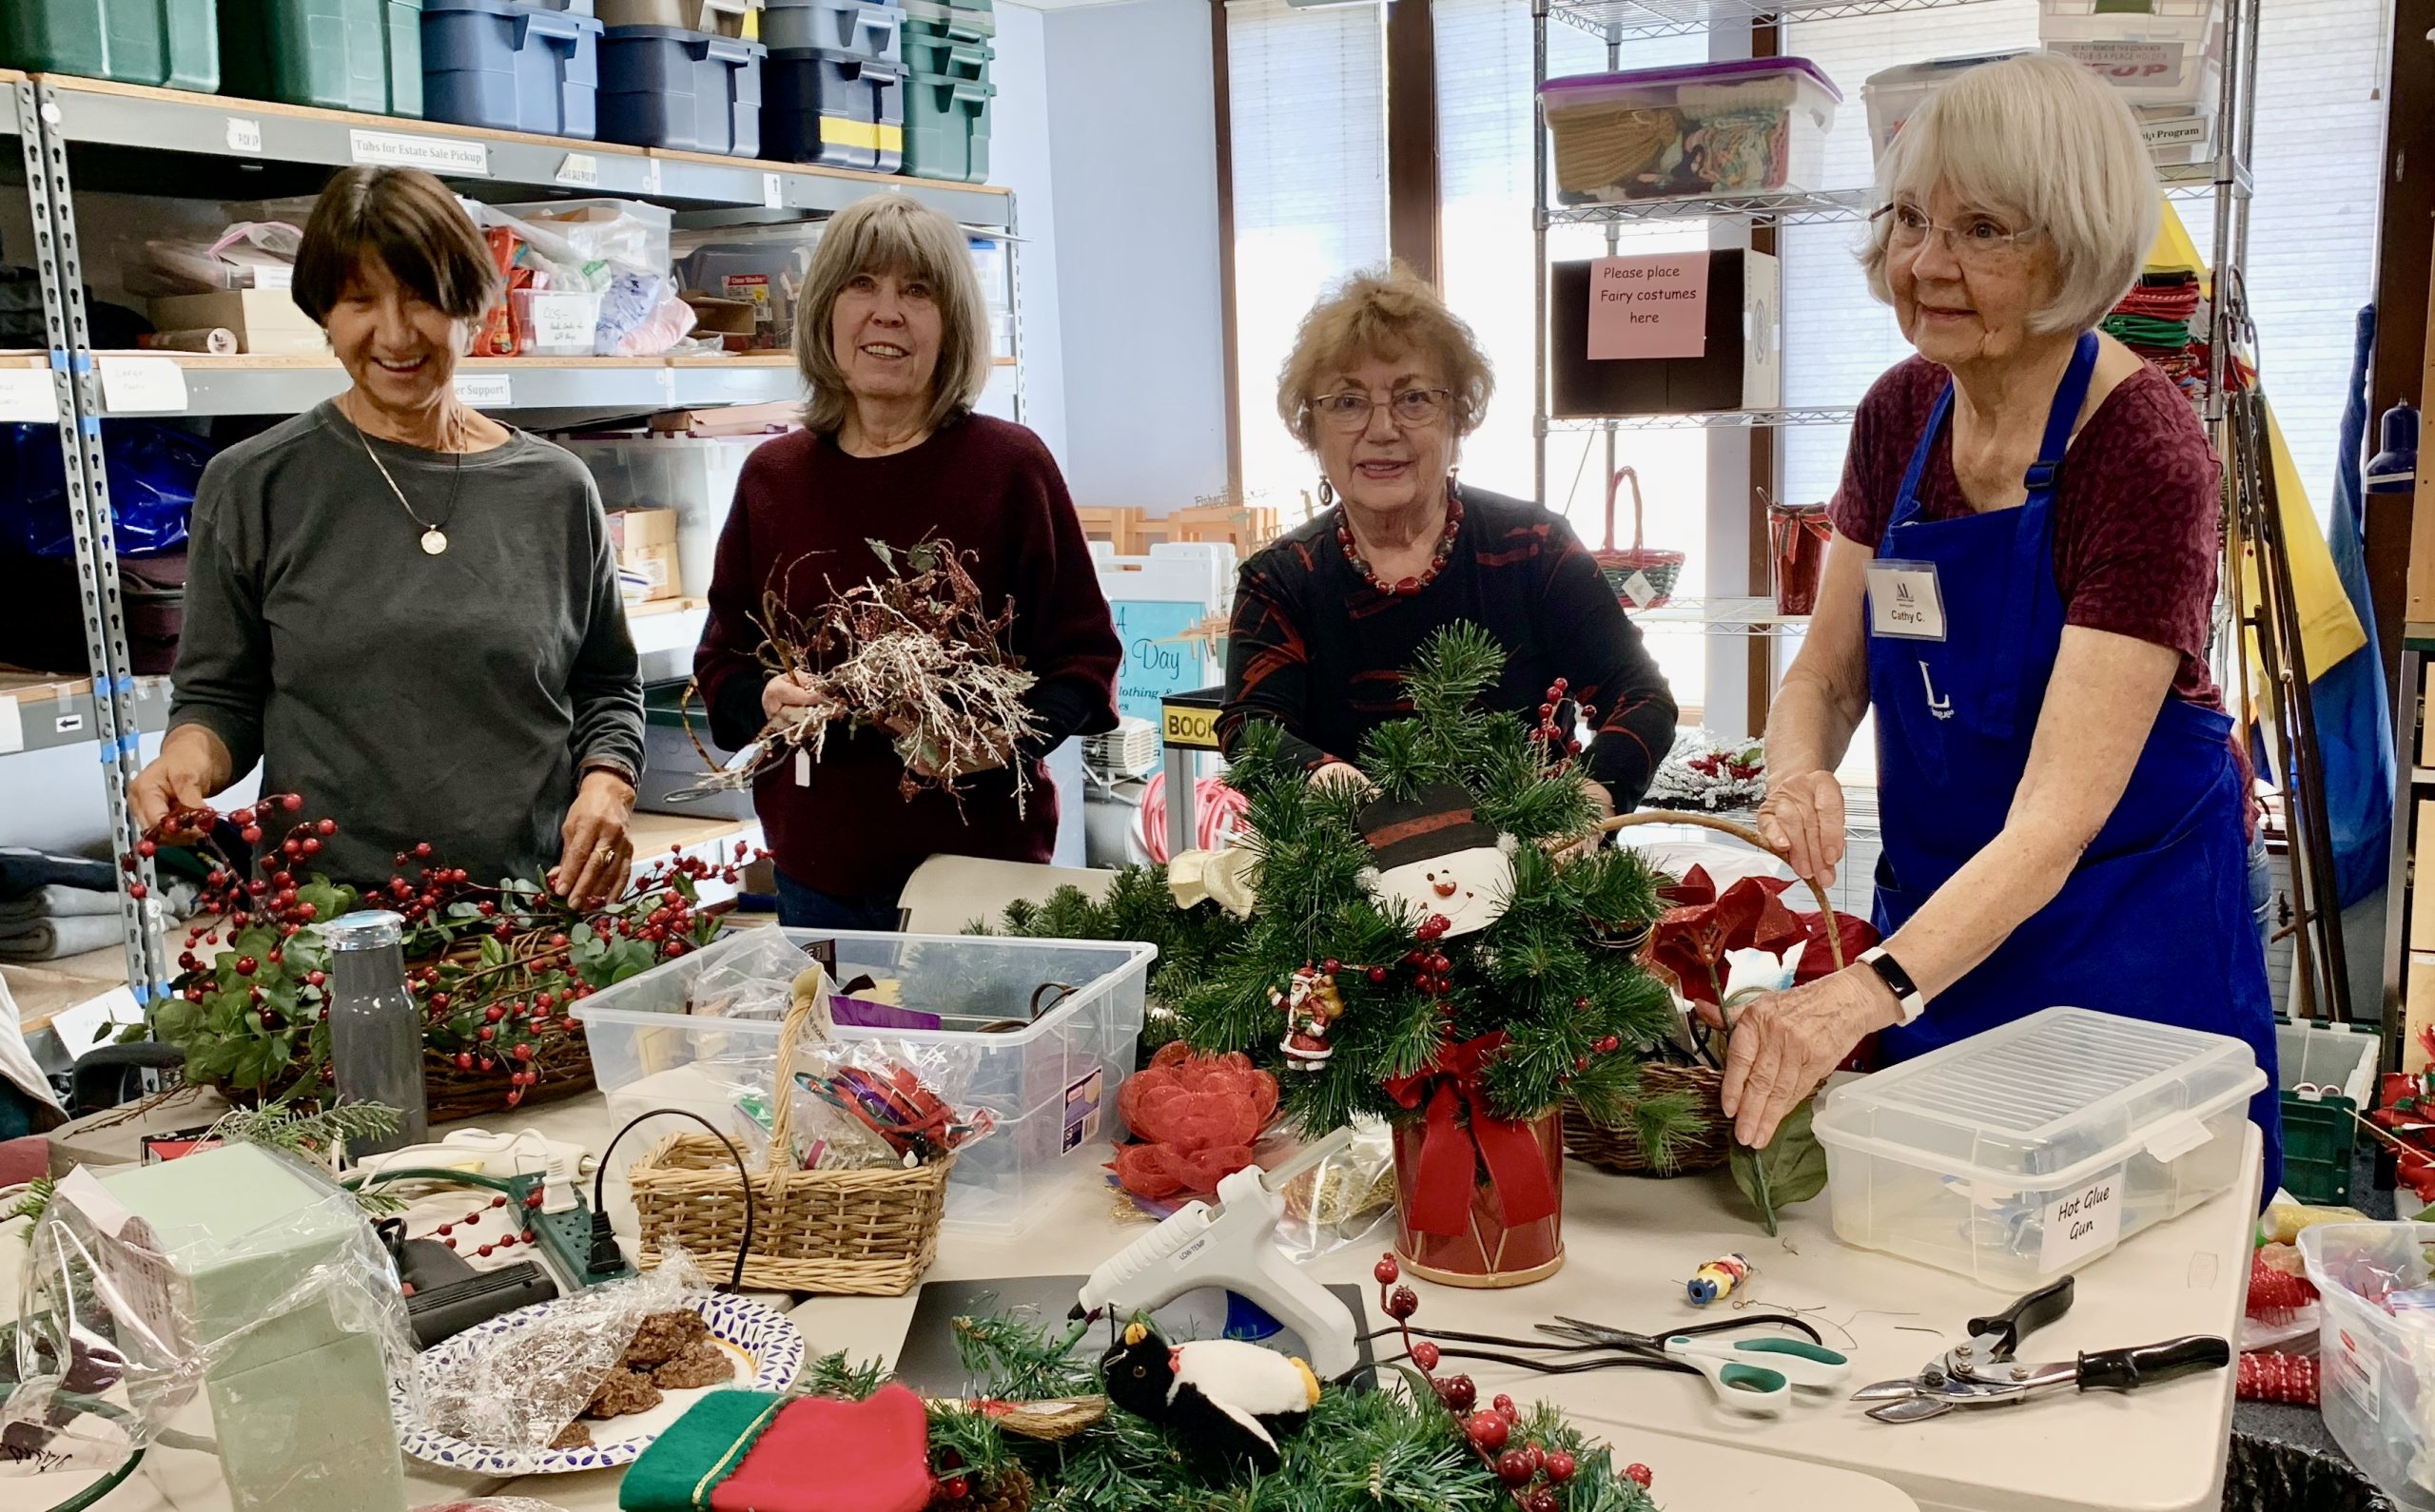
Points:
(1455, 1147)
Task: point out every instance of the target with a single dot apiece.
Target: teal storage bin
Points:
(948, 52)
(946, 127)
(172, 43)
(513, 68)
(693, 91)
(342, 54)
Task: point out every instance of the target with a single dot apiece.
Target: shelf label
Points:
(441, 155)
(12, 725)
(243, 135)
(2083, 1221)
(141, 385)
(774, 192)
(1648, 306)
(650, 175)
(486, 391)
(579, 170)
(28, 397)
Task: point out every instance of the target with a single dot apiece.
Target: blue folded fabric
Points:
(23, 870)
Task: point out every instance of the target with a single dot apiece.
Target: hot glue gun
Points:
(1232, 1245)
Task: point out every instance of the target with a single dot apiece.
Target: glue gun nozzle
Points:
(1079, 1311)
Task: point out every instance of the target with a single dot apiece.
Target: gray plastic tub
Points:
(873, 32)
(690, 90)
(513, 68)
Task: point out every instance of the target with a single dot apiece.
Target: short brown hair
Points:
(413, 224)
(1382, 312)
(888, 233)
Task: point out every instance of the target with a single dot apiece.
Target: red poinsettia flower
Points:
(1690, 938)
(1195, 1119)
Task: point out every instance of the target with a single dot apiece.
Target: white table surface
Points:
(1631, 1243)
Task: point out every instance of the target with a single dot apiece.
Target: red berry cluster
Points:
(1559, 741)
(1532, 1475)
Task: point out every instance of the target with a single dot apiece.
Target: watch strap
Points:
(1906, 992)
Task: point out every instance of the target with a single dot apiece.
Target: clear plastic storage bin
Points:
(1051, 1080)
(1754, 125)
(2377, 1358)
(2157, 52)
(2026, 1152)
(1893, 94)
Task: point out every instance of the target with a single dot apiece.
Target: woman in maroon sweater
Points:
(894, 339)
(2018, 590)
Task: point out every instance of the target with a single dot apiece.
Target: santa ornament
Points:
(1430, 853)
(1311, 1005)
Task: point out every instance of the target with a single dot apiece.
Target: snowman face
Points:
(1469, 887)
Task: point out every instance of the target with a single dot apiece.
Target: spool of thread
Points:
(1717, 1279)
(217, 339)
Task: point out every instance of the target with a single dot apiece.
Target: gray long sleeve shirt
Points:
(410, 697)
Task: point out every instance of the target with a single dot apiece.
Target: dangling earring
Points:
(1327, 494)
(1454, 490)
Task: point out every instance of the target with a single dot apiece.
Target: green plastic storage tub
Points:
(342, 54)
(946, 127)
(174, 43)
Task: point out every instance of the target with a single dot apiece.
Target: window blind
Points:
(1307, 89)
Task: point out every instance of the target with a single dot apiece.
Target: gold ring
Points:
(604, 852)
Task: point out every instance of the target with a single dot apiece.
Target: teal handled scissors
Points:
(1756, 1375)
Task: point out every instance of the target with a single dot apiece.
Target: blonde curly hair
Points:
(1382, 312)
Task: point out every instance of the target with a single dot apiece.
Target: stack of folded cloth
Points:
(2154, 321)
(55, 906)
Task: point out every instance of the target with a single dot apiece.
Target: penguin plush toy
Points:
(1230, 1401)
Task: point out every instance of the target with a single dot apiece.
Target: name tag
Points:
(1903, 601)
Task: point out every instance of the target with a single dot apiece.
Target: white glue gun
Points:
(525, 1152)
(1234, 1246)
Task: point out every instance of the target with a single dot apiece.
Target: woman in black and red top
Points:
(1383, 384)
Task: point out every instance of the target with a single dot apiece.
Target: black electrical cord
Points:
(743, 1175)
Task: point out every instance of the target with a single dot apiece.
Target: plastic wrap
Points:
(1346, 1199)
(913, 1098)
(606, 247)
(153, 471)
(113, 1348)
(519, 1388)
(754, 980)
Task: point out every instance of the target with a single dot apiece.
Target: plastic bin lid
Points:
(869, 64)
(1730, 72)
(680, 34)
(1937, 69)
(2032, 1100)
(983, 20)
(511, 7)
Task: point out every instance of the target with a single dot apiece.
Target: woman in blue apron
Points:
(2018, 589)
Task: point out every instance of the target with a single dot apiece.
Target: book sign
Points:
(1648, 306)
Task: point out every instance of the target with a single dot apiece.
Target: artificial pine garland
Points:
(1575, 1011)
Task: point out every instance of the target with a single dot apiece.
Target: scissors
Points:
(1756, 1375)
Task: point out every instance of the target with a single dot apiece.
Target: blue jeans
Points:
(802, 908)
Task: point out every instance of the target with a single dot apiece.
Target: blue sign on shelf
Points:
(1161, 655)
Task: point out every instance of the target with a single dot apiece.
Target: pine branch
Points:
(832, 1375)
(1021, 1361)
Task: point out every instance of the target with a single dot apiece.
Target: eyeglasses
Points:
(1979, 242)
(1350, 409)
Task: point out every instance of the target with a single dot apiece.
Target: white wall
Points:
(1131, 121)
(1020, 159)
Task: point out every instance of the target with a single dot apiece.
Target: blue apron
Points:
(2155, 923)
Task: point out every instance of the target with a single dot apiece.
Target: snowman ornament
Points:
(1431, 853)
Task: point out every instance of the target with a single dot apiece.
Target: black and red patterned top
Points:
(1321, 652)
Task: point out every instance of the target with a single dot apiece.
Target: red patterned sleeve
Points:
(1884, 434)
(2137, 554)
(1268, 664)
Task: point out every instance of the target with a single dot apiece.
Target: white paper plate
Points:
(766, 1347)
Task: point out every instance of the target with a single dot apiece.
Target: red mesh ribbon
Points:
(1463, 1137)
(1196, 1117)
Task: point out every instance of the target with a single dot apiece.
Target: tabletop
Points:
(1631, 1244)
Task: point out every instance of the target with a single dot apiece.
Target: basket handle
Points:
(1623, 475)
(1745, 833)
(782, 1118)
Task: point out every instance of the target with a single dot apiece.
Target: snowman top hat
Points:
(1436, 820)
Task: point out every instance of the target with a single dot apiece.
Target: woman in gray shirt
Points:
(407, 611)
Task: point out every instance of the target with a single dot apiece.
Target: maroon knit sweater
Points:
(804, 512)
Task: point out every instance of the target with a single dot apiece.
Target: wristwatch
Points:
(1889, 971)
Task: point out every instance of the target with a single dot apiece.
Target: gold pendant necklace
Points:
(435, 540)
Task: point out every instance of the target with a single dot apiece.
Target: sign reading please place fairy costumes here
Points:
(1648, 306)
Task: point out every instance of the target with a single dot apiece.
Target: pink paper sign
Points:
(1649, 307)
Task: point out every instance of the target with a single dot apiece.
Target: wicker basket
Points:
(868, 1233)
(1657, 568)
(1619, 1148)
(563, 1059)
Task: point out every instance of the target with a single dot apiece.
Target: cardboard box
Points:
(266, 320)
(650, 572)
(2421, 892)
(1740, 370)
(640, 529)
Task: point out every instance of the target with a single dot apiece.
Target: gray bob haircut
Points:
(2043, 142)
(888, 233)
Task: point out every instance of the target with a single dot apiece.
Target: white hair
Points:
(2043, 143)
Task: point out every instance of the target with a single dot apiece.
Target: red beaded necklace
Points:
(1436, 560)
